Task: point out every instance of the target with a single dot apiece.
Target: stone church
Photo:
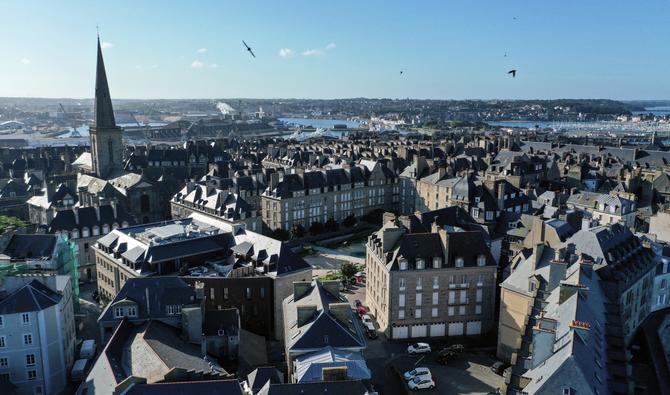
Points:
(106, 181)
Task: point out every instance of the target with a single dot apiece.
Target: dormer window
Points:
(437, 262)
(459, 261)
(481, 260)
(420, 263)
(105, 229)
(96, 230)
(75, 233)
(403, 264)
(85, 232)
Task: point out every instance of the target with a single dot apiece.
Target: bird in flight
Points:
(402, 71)
(513, 72)
(248, 49)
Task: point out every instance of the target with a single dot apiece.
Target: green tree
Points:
(332, 225)
(7, 222)
(348, 270)
(280, 234)
(297, 231)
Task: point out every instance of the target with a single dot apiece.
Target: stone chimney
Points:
(332, 286)
(341, 311)
(274, 181)
(501, 195)
(305, 313)
(538, 249)
(75, 211)
(112, 203)
(300, 288)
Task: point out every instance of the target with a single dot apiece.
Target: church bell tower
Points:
(106, 137)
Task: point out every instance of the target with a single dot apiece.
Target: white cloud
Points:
(150, 67)
(197, 64)
(312, 52)
(106, 44)
(330, 46)
(201, 50)
(24, 61)
(286, 53)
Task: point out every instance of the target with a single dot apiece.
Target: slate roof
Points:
(86, 217)
(353, 387)
(323, 329)
(31, 246)
(262, 375)
(103, 112)
(34, 296)
(209, 387)
(161, 291)
(308, 367)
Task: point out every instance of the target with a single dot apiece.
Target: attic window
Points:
(403, 264)
(481, 260)
(459, 261)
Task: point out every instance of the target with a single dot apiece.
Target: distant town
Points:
(352, 246)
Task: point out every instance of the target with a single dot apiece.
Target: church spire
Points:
(103, 110)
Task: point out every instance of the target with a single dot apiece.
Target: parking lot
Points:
(468, 373)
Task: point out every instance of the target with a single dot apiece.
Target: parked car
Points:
(87, 350)
(79, 368)
(421, 382)
(366, 318)
(421, 371)
(457, 348)
(370, 330)
(361, 311)
(444, 356)
(418, 348)
(358, 303)
(499, 368)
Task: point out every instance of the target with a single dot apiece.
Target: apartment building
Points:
(305, 197)
(430, 283)
(625, 267)
(37, 333)
(319, 322)
(485, 200)
(238, 268)
(219, 203)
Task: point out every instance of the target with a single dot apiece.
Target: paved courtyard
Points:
(470, 373)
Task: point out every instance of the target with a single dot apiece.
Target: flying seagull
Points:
(402, 71)
(513, 72)
(249, 49)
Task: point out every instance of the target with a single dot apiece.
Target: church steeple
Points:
(106, 137)
(103, 110)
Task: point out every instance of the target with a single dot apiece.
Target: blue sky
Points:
(332, 49)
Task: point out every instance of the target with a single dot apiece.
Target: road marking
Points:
(419, 360)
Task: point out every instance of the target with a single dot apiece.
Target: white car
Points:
(409, 375)
(366, 319)
(418, 348)
(421, 382)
